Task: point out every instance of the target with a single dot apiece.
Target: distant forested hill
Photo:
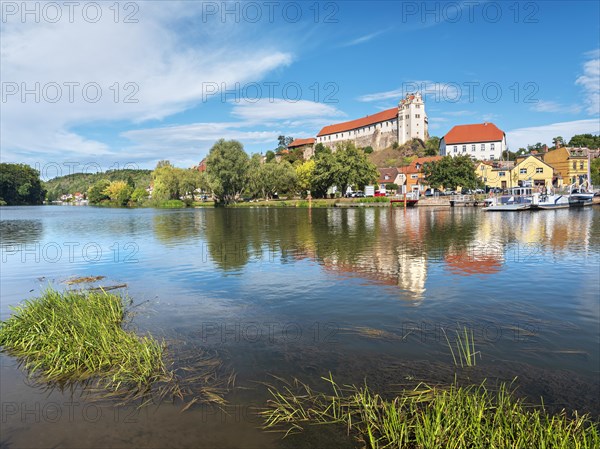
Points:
(81, 182)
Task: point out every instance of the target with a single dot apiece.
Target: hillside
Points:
(390, 157)
(81, 182)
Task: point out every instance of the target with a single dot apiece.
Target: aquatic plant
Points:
(428, 417)
(73, 336)
(64, 338)
(465, 348)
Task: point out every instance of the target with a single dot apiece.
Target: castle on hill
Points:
(381, 130)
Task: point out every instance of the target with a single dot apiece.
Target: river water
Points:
(364, 294)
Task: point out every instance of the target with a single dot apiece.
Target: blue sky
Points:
(154, 72)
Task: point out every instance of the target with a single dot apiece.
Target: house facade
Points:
(481, 141)
(381, 130)
(529, 170)
(570, 164)
(415, 179)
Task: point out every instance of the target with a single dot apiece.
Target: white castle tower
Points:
(412, 119)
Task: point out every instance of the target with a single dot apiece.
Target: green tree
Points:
(139, 195)
(269, 156)
(320, 148)
(324, 173)
(96, 193)
(20, 185)
(368, 150)
(585, 140)
(166, 182)
(284, 141)
(432, 146)
(595, 171)
(352, 168)
(304, 176)
(227, 170)
(119, 192)
(558, 142)
(450, 172)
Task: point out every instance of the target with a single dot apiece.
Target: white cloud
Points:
(436, 91)
(363, 39)
(167, 63)
(590, 82)
(521, 137)
(260, 123)
(279, 109)
(552, 106)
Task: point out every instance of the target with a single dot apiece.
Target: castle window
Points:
(492, 146)
(417, 106)
(417, 115)
(464, 148)
(472, 147)
(483, 147)
(455, 149)
(407, 116)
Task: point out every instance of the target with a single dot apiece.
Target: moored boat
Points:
(518, 199)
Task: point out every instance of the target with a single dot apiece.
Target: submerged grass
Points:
(74, 336)
(426, 417)
(77, 337)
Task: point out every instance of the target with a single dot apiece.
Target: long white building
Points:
(381, 130)
(481, 141)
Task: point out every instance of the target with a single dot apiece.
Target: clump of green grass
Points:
(71, 336)
(454, 417)
(465, 348)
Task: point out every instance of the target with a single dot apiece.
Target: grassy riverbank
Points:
(453, 417)
(74, 336)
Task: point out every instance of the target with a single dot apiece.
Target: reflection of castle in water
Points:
(392, 259)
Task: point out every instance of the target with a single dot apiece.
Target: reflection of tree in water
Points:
(228, 233)
(177, 227)
(18, 232)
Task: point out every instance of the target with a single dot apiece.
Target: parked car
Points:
(380, 194)
(358, 195)
(449, 192)
(479, 191)
(433, 192)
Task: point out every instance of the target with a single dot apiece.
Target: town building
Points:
(413, 174)
(381, 130)
(481, 141)
(306, 145)
(389, 176)
(528, 171)
(570, 164)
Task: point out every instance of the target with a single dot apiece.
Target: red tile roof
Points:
(480, 132)
(300, 142)
(388, 114)
(412, 167)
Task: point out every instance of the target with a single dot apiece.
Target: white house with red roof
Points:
(381, 130)
(481, 141)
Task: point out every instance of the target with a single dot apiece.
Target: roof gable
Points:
(480, 132)
(300, 142)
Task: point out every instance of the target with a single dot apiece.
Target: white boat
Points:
(552, 201)
(518, 199)
(581, 195)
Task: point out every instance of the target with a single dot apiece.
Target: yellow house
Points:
(528, 170)
(568, 163)
(533, 170)
(494, 175)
